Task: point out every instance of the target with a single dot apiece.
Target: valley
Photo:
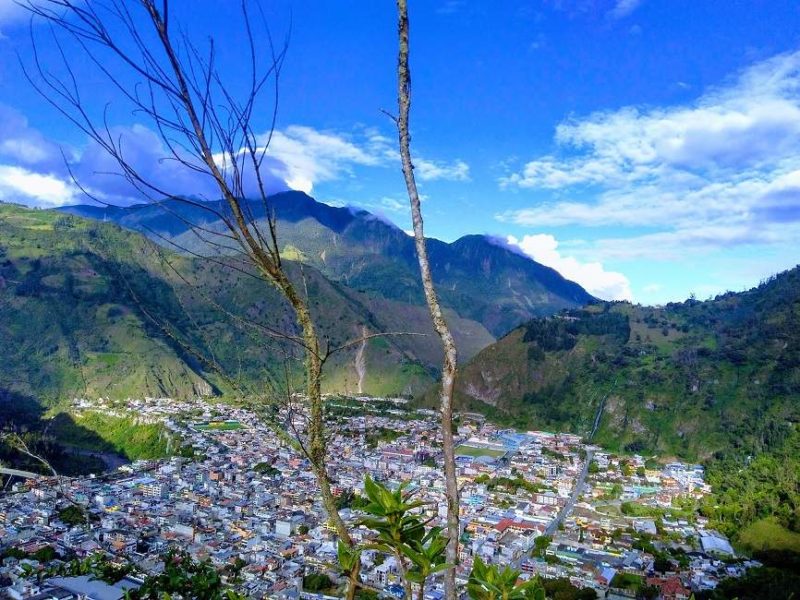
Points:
(590, 522)
(106, 327)
(277, 323)
(125, 309)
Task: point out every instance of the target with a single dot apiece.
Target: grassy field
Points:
(608, 509)
(766, 534)
(473, 451)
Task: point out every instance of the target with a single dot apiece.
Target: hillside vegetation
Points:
(689, 379)
(756, 499)
(88, 310)
(121, 434)
(477, 277)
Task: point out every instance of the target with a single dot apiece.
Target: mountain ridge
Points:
(78, 276)
(476, 277)
(85, 307)
(688, 379)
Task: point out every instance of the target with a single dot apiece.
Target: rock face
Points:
(203, 388)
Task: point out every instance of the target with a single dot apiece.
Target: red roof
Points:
(671, 588)
(511, 523)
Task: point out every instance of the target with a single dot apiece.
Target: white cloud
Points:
(428, 170)
(28, 156)
(386, 204)
(543, 248)
(728, 164)
(310, 156)
(751, 124)
(335, 202)
(18, 184)
(393, 204)
(652, 288)
(299, 157)
(623, 8)
(690, 242)
(22, 144)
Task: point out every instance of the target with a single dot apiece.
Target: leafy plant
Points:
(350, 563)
(403, 533)
(97, 565)
(392, 517)
(187, 578)
(317, 582)
(488, 582)
(427, 557)
(72, 515)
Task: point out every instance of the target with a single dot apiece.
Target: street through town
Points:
(576, 492)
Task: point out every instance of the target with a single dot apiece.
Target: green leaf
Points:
(371, 489)
(442, 567)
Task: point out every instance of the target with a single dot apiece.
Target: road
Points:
(576, 492)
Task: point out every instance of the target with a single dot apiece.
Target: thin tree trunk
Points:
(352, 588)
(273, 271)
(197, 120)
(439, 323)
(272, 268)
(402, 568)
(317, 443)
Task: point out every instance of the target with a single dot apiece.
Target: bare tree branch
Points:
(440, 324)
(205, 128)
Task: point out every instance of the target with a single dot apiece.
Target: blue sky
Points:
(648, 149)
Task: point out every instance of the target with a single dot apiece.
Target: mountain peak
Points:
(478, 278)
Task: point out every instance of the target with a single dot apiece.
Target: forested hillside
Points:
(476, 277)
(88, 309)
(690, 379)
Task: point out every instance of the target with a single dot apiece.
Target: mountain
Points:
(85, 303)
(690, 379)
(91, 308)
(88, 309)
(478, 278)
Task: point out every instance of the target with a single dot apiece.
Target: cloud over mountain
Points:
(33, 168)
(543, 248)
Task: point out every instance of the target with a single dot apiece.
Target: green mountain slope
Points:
(690, 379)
(70, 325)
(88, 309)
(478, 278)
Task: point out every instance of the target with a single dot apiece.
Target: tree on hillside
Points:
(440, 324)
(206, 125)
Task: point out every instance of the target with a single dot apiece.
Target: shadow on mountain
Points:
(24, 416)
(172, 217)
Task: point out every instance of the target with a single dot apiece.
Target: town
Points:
(547, 504)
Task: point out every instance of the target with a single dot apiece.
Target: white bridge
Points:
(18, 473)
